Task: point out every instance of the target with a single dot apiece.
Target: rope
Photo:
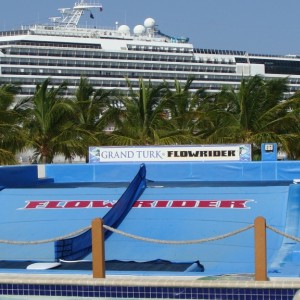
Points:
(283, 233)
(219, 237)
(170, 242)
(48, 240)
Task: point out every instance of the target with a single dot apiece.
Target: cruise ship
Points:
(63, 50)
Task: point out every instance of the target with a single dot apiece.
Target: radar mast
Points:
(71, 16)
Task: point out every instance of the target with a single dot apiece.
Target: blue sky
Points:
(256, 26)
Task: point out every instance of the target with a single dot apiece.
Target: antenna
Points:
(71, 16)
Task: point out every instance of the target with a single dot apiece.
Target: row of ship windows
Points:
(111, 55)
(272, 66)
(131, 74)
(93, 54)
(273, 62)
(282, 70)
(53, 44)
(117, 65)
(294, 80)
(98, 46)
(136, 72)
(148, 48)
(110, 83)
(27, 91)
(218, 52)
(159, 49)
(129, 47)
(143, 48)
(73, 84)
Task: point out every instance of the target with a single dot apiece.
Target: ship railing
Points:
(87, 32)
(14, 32)
(288, 56)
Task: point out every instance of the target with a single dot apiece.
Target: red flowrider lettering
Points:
(102, 204)
(143, 204)
(71, 204)
(163, 203)
(77, 204)
(209, 204)
(184, 203)
(233, 204)
(36, 204)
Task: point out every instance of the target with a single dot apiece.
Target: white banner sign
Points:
(170, 153)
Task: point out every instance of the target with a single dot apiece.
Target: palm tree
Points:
(12, 136)
(293, 145)
(185, 110)
(89, 108)
(140, 118)
(49, 123)
(254, 114)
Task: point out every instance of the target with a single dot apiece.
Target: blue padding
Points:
(45, 180)
(285, 258)
(18, 176)
(80, 246)
(176, 171)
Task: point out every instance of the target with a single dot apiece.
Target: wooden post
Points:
(98, 253)
(260, 249)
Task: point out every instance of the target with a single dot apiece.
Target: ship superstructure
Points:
(66, 51)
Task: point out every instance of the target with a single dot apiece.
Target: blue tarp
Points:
(78, 247)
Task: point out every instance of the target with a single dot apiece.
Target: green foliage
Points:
(139, 117)
(49, 123)
(52, 124)
(254, 114)
(89, 115)
(12, 136)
